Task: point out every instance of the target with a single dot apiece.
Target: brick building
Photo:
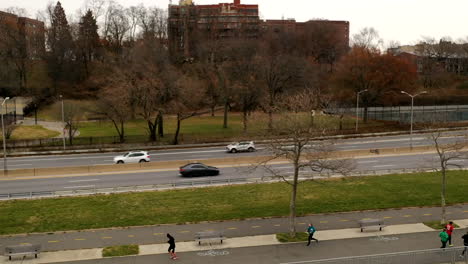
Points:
(190, 24)
(25, 34)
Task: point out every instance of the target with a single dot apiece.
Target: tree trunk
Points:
(70, 135)
(213, 110)
(365, 113)
(152, 129)
(244, 121)
(292, 204)
(226, 108)
(176, 136)
(312, 118)
(122, 132)
(270, 120)
(341, 122)
(442, 196)
(160, 124)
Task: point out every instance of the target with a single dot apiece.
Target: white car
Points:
(132, 157)
(241, 146)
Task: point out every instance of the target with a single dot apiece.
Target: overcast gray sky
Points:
(405, 21)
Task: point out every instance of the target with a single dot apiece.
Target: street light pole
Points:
(411, 118)
(5, 169)
(357, 108)
(63, 123)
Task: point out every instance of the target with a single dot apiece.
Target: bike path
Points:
(70, 240)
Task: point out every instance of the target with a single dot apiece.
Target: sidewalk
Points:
(266, 249)
(87, 244)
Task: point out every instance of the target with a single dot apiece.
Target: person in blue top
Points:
(311, 230)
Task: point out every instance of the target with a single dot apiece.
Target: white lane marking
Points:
(285, 167)
(378, 141)
(90, 180)
(77, 187)
(186, 152)
(367, 161)
(13, 165)
(381, 166)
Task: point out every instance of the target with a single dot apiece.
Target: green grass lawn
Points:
(194, 129)
(206, 126)
(119, 251)
(32, 132)
(286, 237)
(229, 202)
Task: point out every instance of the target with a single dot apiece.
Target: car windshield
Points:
(126, 154)
(235, 143)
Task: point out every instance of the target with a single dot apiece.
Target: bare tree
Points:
(72, 113)
(367, 38)
(448, 154)
(305, 153)
(117, 26)
(280, 74)
(188, 101)
(114, 100)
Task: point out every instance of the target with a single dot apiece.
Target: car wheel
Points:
(251, 149)
(142, 161)
(233, 150)
(120, 162)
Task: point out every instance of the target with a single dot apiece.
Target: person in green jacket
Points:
(444, 237)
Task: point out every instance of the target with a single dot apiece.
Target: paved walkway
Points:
(265, 249)
(247, 233)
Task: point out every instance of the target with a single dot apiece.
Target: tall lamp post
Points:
(411, 122)
(63, 123)
(5, 169)
(357, 108)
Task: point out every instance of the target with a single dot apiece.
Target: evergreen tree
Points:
(60, 44)
(88, 40)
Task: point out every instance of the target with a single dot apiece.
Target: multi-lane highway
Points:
(202, 153)
(171, 175)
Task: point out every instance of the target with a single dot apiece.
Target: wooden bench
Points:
(22, 250)
(371, 224)
(209, 236)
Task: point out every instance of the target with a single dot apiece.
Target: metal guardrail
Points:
(431, 256)
(195, 184)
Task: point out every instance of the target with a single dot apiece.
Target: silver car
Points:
(241, 146)
(132, 157)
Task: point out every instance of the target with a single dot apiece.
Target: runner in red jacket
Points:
(449, 227)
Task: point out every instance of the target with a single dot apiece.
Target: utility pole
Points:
(411, 122)
(357, 108)
(5, 169)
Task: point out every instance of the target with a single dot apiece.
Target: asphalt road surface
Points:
(62, 183)
(218, 152)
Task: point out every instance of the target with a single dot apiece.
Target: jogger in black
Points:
(465, 243)
(171, 248)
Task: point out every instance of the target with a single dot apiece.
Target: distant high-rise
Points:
(26, 34)
(190, 25)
